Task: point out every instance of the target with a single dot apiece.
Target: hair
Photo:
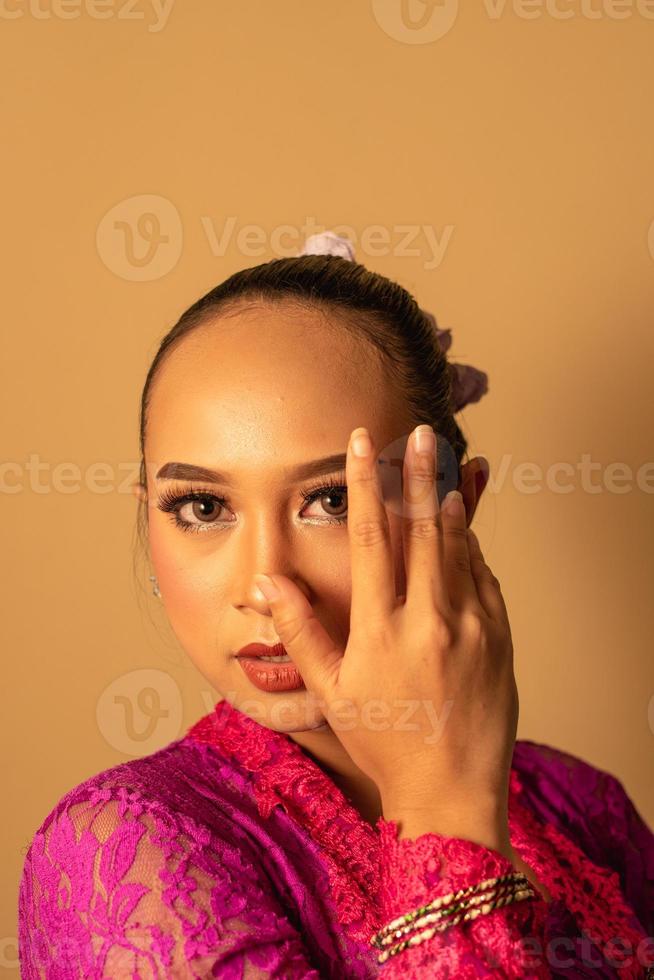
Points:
(371, 306)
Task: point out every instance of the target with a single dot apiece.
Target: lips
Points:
(261, 650)
(268, 675)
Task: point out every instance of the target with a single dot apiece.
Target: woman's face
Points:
(257, 395)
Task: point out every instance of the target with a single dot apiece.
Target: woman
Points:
(377, 775)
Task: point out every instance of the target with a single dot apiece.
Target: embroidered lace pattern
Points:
(230, 853)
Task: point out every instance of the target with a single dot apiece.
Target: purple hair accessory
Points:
(469, 384)
(329, 243)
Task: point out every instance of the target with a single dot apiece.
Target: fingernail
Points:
(266, 588)
(425, 438)
(453, 503)
(361, 444)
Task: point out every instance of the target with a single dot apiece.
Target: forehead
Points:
(265, 384)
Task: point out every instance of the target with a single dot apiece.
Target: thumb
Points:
(306, 641)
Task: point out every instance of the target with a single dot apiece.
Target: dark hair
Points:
(372, 307)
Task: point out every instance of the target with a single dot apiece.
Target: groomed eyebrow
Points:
(315, 467)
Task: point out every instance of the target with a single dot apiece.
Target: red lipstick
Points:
(268, 675)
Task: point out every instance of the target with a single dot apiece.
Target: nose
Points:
(264, 549)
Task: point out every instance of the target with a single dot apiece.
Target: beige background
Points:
(521, 137)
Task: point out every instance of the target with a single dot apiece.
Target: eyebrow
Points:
(188, 471)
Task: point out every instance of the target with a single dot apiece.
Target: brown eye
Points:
(336, 502)
(328, 503)
(203, 509)
(193, 511)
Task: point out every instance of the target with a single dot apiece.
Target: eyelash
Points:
(171, 502)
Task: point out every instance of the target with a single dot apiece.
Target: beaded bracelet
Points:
(442, 914)
(518, 895)
(516, 878)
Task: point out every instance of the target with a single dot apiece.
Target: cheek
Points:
(165, 563)
(191, 593)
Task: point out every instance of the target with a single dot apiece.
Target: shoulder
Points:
(145, 868)
(575, 790)
(566, 778)
(154, 816)
(186, 787)
(591, 806)
(122, 781)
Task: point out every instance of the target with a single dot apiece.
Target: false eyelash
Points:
(168, 499)
(322, 489)
(171, 501)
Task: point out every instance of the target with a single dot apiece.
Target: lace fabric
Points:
(118, 889)
(230, 853)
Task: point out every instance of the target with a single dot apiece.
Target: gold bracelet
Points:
(516, 878)
(507, 888)
(517, 896)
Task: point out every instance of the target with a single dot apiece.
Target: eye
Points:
(334, 506)
(203, 508)
(198, 510)
(193, 511)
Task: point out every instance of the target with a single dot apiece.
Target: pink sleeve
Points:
(504, 943)
(628, 846)
(112, 887)
(613, 832)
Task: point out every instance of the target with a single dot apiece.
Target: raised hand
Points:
(445, 648)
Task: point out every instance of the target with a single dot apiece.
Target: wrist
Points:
(486, 828)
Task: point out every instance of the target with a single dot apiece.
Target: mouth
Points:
(269, 667)
(268, 654)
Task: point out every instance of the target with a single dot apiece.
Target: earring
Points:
(155, 586)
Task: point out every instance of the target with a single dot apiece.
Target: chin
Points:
(282, 714)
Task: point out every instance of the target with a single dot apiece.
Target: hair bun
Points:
(469, 384)
(328, 243)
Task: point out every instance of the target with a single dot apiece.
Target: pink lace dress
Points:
(230, 853)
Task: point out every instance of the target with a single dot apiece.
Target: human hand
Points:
(445, 645)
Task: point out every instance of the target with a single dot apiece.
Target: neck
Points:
(328, 752)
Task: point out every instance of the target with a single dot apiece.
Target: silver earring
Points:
(155, 586)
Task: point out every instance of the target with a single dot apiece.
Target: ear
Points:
(139, 491)
(472, 481)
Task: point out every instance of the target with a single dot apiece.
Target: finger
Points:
(306, 641)
(372, 568)
(422, 538)
(461, 585)
(488, 586)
